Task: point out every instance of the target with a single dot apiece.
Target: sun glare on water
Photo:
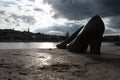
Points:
(47, 45)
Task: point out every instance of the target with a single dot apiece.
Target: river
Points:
(32, 45)
(27, 45)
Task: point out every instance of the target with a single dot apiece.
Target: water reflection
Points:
(27, 45)
(32, 45)
(36, 59)
(48, 45)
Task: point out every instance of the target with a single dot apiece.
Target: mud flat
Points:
(58, 64)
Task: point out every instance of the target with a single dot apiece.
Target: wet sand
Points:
(58, 64)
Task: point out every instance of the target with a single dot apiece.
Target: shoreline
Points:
(59, 64)
(37, 45)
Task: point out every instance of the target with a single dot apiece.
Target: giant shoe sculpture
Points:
(91, 34)
(63, 44)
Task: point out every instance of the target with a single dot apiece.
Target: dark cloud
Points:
(2, 12)
(81, 9)
(110, 7)
(38, 9)
(115, 22)
(7, 20)
(61, 29)
(24, 18)
(71, 9)
(84, 9)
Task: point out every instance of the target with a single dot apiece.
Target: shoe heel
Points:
(95, 46)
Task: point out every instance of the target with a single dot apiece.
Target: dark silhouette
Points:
(11, 35)
(90, 34)
(63, 44)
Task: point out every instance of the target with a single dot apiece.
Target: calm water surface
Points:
(32, 45)
(27, 45)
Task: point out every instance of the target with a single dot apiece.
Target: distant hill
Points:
(10, 35)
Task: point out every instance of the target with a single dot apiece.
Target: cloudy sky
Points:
(58, 16)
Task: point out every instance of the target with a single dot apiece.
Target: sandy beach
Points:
(59, 64)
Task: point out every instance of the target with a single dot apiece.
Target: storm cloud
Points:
(81, 9)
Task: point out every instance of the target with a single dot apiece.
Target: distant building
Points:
(10, 35)
(28, 29)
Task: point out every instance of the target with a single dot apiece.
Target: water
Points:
(108, 44)
(27, 45)
(32, 45)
